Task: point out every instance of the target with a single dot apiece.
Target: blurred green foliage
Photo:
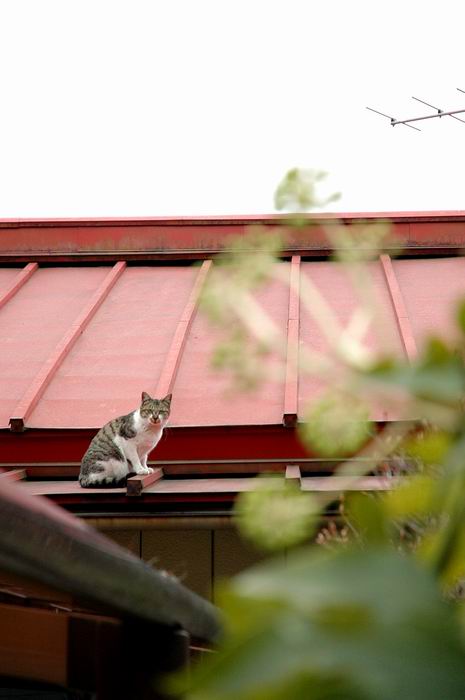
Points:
(336, 425)
(359, 624)
(292, 513)
(298, 191)
(376, 615)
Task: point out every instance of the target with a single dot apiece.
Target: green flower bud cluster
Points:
(276, 514)
(337, 425)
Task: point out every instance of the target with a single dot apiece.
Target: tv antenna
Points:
(439, 113)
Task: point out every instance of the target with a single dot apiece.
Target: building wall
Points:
(200, 558)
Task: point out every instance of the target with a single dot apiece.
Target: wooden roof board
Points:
(200, 485)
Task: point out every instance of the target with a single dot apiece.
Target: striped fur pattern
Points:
(122, 446)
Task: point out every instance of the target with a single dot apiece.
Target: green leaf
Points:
(453, 565)
(430, 447)
(455, 569)
(461, 315)
(442, 382)
(371, 622)
(313, 578)
(297, 191)
(444, 550)
(436, 352)
(366, 513)
(414, 497)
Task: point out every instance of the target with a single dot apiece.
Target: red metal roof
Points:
(80, 342)
(196, 238)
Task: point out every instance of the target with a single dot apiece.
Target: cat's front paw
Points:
(146, 470)
(143, 471)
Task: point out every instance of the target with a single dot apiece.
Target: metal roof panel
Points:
(121, 353)
(431, 289)
(33, 321)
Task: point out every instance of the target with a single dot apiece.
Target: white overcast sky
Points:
(170, 108)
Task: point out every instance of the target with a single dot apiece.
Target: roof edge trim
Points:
(231, 220)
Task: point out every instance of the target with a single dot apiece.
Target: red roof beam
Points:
(199, 238)
(20, 279)
(13, 474)
(400, 310)
(293, 474)
(136, 484)
(173, 358)
(35, 390)
(291, 386)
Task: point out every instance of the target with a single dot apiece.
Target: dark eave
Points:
(82, 562)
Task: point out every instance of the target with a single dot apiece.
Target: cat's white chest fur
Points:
(147, 434)
(136, 449)
(145, 442)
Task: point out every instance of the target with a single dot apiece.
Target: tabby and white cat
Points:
(123, 444)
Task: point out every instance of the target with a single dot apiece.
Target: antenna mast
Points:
(439, 113)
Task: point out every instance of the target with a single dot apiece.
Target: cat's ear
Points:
(145, 397)
(167, 399)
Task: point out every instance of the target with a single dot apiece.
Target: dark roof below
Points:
(81, 561)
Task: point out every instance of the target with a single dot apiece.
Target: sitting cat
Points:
(123, 444)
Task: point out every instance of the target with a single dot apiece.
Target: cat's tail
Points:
(85, 482)
(90, 482)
